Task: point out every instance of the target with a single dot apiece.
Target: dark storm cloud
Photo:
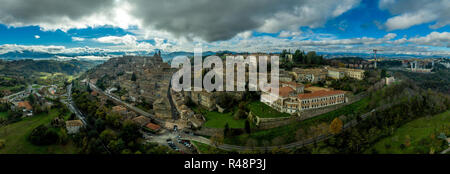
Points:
(209, 19)
(215, 20)
(32, 12)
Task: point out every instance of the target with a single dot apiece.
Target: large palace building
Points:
(292, 99)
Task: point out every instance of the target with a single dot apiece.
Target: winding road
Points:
(230, 147)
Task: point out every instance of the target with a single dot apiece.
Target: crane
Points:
(375, 56)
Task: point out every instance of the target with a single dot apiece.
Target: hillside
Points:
(28, 66)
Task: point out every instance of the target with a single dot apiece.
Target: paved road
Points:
(175, 114)
(229, 147)
(445, 151)
(129, 106)
(78, 113)
(297, 144)
(72, 106)
(13, 96)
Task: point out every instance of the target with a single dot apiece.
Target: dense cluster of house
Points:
(151, 83)
(293, 96)
(19, 102)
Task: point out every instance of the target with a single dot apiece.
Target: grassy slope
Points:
(3, 114)
(207, 149)
(288, 131)
(417, 130)
(16, 135)
(218, 120)
(262, 110)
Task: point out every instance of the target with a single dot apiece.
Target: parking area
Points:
(173, 139)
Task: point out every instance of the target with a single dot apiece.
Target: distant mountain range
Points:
(100, 55)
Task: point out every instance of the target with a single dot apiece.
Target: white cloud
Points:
(311, 13)
(127, 42)
(433, 39)
(78, 39)
(289, 33)
(414, 12)
(37, 36)
(67, 14)
(407, 20)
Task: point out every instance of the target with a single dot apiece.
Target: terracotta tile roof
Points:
(315, 88)
(119, 108)
(141, 120)
(285, 91)
(73, 123)
(153, 126)
(292, 84)
(318, 94)
(25, 104)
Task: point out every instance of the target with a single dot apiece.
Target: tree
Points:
(247, 126)
(336, 126)
(298, 56)
(310, 57)
(31, 99)
(2, 143)
(226, 130)
(383, 73)
(217, 139)
(99, 124)
(42, 135)
(239, 114)
(133, 77)
(130, 131)
(225, 100)
(107, 135)
(89, 88)
(113, 119)
(283, 54)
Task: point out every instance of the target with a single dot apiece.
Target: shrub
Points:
(42, 135)
(2, 143)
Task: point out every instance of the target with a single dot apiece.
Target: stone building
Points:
(290, 99)
(338, 73)
(73, 126)
(320, 99)
(335, 73)
(205, 99)
(162, 108)
(313, 75)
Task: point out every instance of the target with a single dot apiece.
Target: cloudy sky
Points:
(416, 27)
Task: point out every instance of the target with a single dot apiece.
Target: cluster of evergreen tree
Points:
(300, 58)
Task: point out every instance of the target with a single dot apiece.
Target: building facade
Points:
(291, 99)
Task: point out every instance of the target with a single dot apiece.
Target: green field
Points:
(3, 114)
(207, 149)
(419, 133)
(287, 132)
(16, 137)
(36, 86)
(218, 120)
(263, 111)
(12, 88)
